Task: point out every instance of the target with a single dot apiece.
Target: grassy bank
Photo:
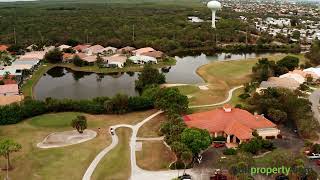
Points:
(58, 163)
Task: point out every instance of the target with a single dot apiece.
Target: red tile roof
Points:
(81, 47)
(238, 122)
(10, 80)
(3, 47)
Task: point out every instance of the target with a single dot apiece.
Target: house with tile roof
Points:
(237, 125)
(9, 89)
(3, 47)
(143, 50)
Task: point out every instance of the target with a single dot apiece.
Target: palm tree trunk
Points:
(185, 167)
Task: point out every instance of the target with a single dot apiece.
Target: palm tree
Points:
(80, 123)
(8, 146)
(186, 158)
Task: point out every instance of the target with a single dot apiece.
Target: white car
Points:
(313, 156)
(111, 131)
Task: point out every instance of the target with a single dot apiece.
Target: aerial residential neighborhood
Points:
(162, 90)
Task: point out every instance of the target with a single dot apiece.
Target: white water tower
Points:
(214, 6)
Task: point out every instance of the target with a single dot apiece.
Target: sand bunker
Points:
(66, 138)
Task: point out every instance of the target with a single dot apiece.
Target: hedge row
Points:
(14, 113)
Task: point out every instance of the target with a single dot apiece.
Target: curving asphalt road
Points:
(136, 172)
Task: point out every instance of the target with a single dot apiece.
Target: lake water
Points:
(65, 83)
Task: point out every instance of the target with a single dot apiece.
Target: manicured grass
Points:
(53, 120)
(27, 88)
(152, 127)
(59, 163)
(116, 165)
(154, 156)
(188, 89)
(235, 97)
(221, 76)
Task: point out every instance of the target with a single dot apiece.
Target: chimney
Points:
(227, 108)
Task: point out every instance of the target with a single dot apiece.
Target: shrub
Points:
(54, 56)
(14, 113)
(230, 151)
(244, 96)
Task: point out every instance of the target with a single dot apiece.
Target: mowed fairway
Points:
(221, 76)
(116, 164)
(154, 156)
(68, 162)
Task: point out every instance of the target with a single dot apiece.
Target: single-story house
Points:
(32, 62)
(140, 59)
(126, 50)
(67, 57)
(89, 59)
(33, 55)
(236, 125)
(279, 83)
(63, 46)
(305, 74)
(9, 80)
(313, 70)
(154, 54)
(93, 49)
(81, 47)
(11, 71)
(115, 61)
(9, 89)
(4, 100)
(108, 50)
(143, 50)
(3, 47)
(31, 47)
(48, 48)
(297, 77)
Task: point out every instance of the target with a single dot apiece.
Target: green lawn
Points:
(154, 156)
(58, 163)
(221, 76)
(59, 120)
(116, 165)
(188, 89)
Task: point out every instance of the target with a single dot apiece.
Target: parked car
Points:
(218, 175)
(282, 177)
(198, 159)
(111, 131)
(185, 177)
(313, 156)
(218, 145)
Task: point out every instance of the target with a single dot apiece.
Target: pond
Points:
(65, 83)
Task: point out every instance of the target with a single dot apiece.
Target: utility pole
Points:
(14, 35)
(133, 33)
(246, 36)
(7, 178)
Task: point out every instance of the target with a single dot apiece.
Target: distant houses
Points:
(291, 80)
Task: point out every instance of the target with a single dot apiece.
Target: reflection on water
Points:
(83, 85)
(65, 83)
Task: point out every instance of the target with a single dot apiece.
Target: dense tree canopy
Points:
(172, 101)
(196, 139)
(54, 56)
(149, 76)
(284, 106)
